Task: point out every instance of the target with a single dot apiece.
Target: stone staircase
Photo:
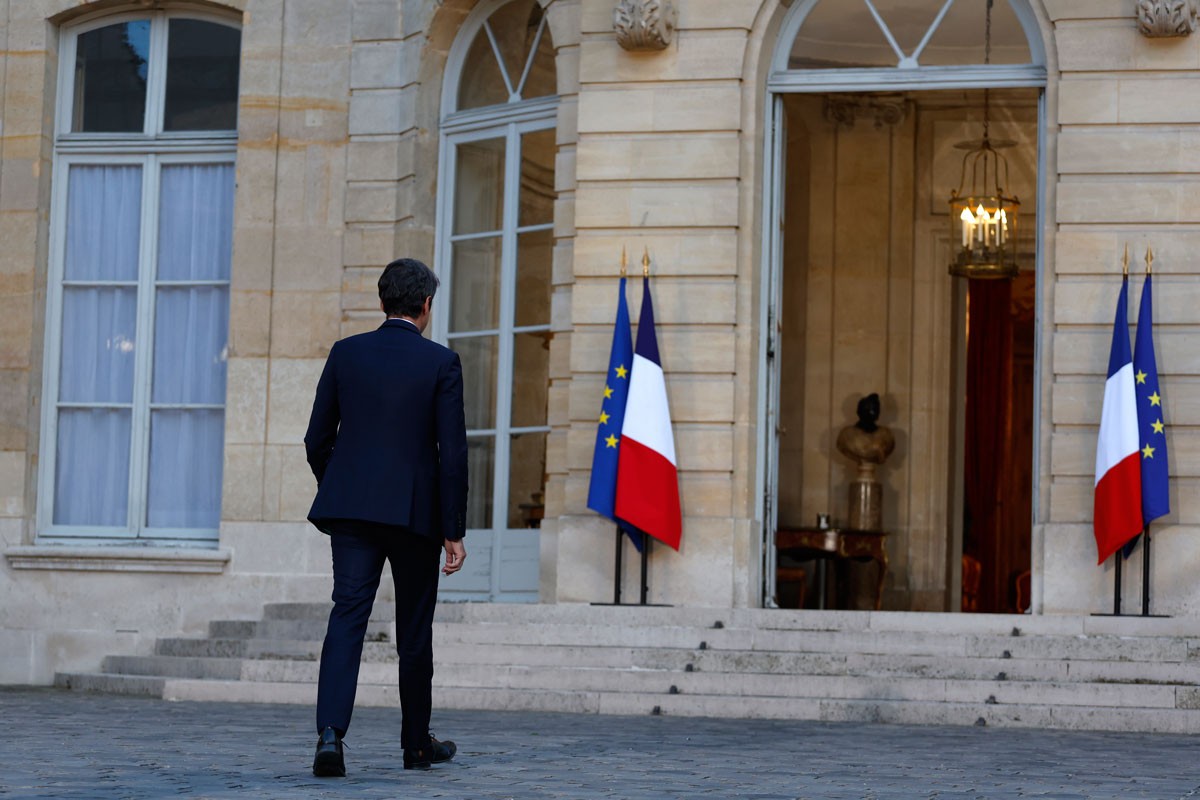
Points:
(1071, 672)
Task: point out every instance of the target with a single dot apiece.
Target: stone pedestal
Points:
(865, 512)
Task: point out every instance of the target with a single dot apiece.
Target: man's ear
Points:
(428, 304)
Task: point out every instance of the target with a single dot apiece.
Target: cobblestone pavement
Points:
(70, 745)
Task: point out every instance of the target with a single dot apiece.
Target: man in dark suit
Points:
(387, 442)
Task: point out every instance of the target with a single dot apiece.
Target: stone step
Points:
(1096, 647)
(180, 666)
(304, 630)
(1155, 720)
(187, 657)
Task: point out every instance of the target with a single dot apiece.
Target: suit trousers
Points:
(358, 558)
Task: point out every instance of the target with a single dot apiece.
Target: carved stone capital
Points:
(1165, 18)
(644, 24)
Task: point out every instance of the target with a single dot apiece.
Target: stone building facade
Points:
(798, 261)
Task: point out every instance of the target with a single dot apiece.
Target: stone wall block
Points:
(685, 301)
(14, 408)
(1077, 402)
(702, 252)
(16, 329)
(12, 483)
(18, 249)
(377, 65)
(675, 204)
(697, 55)
(375, 19)
(632, 109)
(253, 257)
(382, 158)
(382, 111)
(616, 158)
(242, 492)
(691, 398)
(1093, 201)
(1058, 10)
(246, 401)
(370, 246)
(694, 350)
(249, 323)
(372, 202)
(1175, 298)
(308, 259)
(1144, 100)
(1087, 101)
(304, 324)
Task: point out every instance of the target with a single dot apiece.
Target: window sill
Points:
(119, 559)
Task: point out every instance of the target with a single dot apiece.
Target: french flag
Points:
(1117, 514)
(647, 480)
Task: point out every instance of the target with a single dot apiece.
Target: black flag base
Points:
(1120, 556)
(617, 570)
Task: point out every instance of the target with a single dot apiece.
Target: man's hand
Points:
(456, 554)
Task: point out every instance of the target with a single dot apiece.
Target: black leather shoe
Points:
(328, 762)
(425, 757)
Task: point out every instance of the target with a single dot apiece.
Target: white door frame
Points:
(781, 81)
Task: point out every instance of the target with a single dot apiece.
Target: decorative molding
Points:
(1166, 18)
(118, 559)
(884, 110)
(644, 24)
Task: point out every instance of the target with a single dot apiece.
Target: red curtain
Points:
(989, 389)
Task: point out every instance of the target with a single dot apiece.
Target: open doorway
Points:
(866, 305)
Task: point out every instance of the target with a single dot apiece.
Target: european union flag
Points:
(602, 491)
(1156, 500)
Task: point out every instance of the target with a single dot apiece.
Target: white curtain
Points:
(99, 330)
(191, 335)
(99, 347)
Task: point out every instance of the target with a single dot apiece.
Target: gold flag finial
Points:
(1125, 262)
(646, 262)
(624, 262)
(1149, 259)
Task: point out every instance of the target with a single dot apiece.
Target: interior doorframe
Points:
(782, 81)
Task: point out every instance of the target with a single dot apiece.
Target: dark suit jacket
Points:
(387, 438)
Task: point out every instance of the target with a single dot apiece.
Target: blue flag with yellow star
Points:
(602, 491)
(1156, 500)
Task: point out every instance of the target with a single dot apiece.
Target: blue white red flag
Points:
(1117, 516)
(647, 479)
(602, 490)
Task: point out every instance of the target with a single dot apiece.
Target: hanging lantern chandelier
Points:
(983, 220)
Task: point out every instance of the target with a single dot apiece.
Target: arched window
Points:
(924, 44)
(495, 249)
(138, 293)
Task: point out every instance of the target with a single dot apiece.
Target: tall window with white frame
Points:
(495, 252)
(138, 299)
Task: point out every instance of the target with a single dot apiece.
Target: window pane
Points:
(480, 356)
(481, 463)
(186, 450)
(535, 261)
(111, 65)
(531, 378)
(104, 221)
(960, 37)
(195, 229)
(537, 177)
(527, 480)
(475, 285)
(202, 76)
(542, 80)
(479, 189)
(840, 34)
(482, 83)
(91, 467)
(98, 344)
(191, 336)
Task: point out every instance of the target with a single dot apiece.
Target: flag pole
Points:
(1120, 555)
(1146, 529)
(646, 540)
(617, 566)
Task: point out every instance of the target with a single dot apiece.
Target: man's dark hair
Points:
(404, 285)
